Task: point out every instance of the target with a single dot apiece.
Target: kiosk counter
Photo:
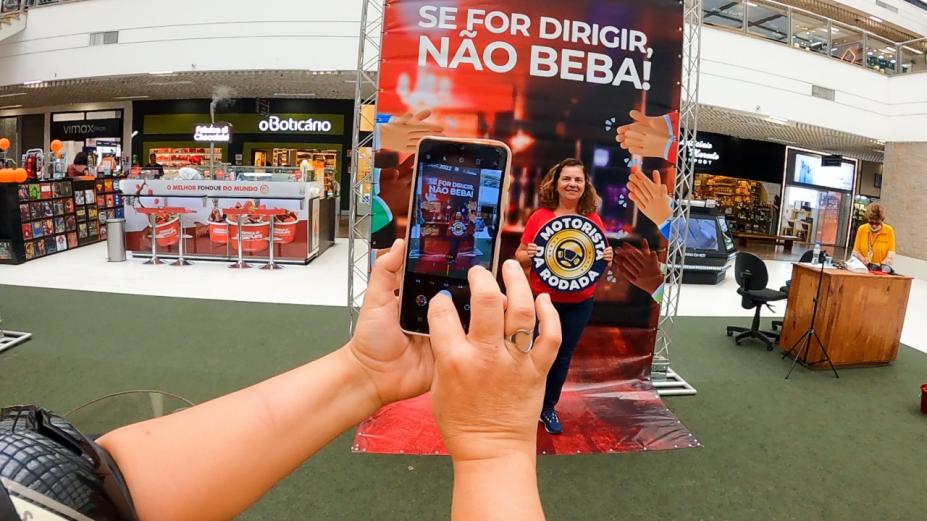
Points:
(303, 231)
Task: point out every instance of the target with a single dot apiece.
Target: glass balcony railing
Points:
(804, 30)
(15, 6)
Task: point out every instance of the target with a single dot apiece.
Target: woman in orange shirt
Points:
(875, 242)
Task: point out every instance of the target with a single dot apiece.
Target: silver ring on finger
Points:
(513, 339)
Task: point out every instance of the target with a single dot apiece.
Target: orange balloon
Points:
(56, 145)
(6, 176)
(20, 175)
(4, 144)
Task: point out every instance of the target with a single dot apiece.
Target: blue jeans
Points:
(573, 320)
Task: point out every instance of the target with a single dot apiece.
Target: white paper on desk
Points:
(856, 266)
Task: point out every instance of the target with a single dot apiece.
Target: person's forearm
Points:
(503, 488)
(212, 461)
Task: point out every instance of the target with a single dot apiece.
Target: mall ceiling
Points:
(183, 85)
(758, 127)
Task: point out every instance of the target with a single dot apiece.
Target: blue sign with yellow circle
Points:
(570, 256)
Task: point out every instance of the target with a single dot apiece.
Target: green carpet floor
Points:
(812, 448)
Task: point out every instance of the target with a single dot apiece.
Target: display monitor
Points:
(808, 169)
(709, 233)
(703, 233)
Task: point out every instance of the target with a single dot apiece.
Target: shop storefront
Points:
(743, 177)
(97, 133)
(252, 156)
(50, 213)
(818, 199)
(265, 133)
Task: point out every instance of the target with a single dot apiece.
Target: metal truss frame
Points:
(665, 380)
(360, 213)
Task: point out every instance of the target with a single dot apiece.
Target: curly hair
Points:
(549, 197)
(875, 212)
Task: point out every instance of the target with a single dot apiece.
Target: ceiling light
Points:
(294, 94)
(876, 19)
(166, 83)
(33, 83)
(11, 107)
(835, 29)
(751, 4)
(780, 121)
(161, 73)
(13, 95)
(781, 141)
(130, 97)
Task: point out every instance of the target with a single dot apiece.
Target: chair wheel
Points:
(729, 333)
(737, 342)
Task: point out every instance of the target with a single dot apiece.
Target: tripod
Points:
(805, 340)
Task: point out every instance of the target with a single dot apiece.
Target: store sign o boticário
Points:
(275, 124)
(213, 133)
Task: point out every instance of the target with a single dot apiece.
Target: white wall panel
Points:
(758, 76)
(182, 36)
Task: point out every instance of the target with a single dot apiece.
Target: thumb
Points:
(638, 116)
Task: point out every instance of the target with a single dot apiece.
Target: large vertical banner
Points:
(553, 80)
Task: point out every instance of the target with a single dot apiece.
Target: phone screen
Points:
(454, 224)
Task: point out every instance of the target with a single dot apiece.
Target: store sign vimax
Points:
(275, 124)
(213, 133)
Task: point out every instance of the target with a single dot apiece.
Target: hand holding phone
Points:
(458, 194)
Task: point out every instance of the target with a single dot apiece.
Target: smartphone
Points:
(459, 192)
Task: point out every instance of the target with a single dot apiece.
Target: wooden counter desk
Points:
(860, 315)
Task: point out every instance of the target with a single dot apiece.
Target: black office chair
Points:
(750, 273)
(808, 256)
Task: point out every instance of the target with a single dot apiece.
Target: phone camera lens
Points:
(460, 160)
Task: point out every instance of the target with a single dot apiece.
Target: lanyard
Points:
(872, 240)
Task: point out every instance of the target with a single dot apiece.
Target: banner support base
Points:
(11, 339)
(672, 385)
